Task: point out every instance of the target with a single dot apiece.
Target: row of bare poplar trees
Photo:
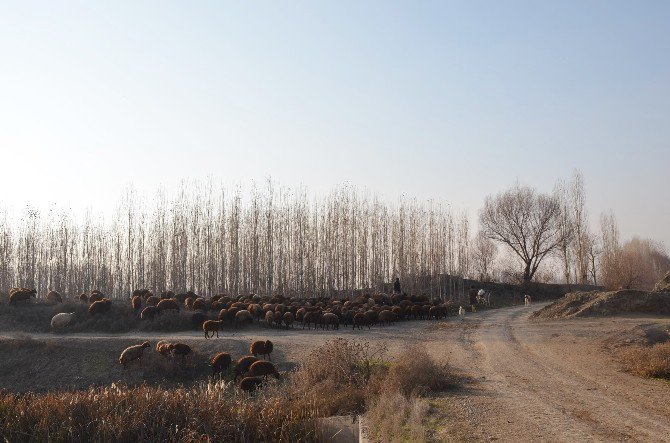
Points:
(266, 240)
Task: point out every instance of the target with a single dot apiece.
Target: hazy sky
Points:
(448, 100)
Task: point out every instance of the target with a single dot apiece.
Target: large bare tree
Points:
(527, 222)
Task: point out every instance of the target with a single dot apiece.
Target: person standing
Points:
(396, 286)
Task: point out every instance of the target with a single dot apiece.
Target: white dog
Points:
(461, 311)
(526, 300)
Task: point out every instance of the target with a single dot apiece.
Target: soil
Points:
(602, 304)
(524, 379)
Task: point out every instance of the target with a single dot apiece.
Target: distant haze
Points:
(436, 100)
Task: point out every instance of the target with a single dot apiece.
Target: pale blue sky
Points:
(447, 100)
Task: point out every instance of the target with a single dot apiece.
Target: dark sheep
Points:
(262, 348)
(152, 301)
(165, 295)
(149, 313)
(136, 302)
(164, 347)
(311, 317)
(168, 305)
(262, 369)
(83, 297)
(53, 297)
(100, 307)
(360, 320)
(180, 349)
(21, 294)
(198, 318)
(387, 317)
(329, 319)
(250, 384)
(220, 363)
(288, 319)
(199, 305)
(242, 365)
(212, 326)
(95, 297)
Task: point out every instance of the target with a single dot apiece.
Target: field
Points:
(509, 377)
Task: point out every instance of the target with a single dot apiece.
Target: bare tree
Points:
(484, 251)
(527, 222)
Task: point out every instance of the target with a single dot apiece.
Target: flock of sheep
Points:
(252, 371)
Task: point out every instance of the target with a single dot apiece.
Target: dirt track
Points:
(529, 380)
(551, 381)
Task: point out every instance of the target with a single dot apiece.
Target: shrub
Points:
(651, 361)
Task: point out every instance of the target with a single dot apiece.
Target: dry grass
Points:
(653, 361)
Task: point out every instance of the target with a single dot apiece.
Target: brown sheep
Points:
(288, 319)
(95, 296)
(21, 294)
(149, 313)
(132, 353)
(311, 317)
(164, 347)
(136, 303)
(212, 326)
(250, 384)
(180, 349)
(360, 320)
(188, 302)
(152, 301)
(387, 317)
(242, 316)
(83, 297)
(199, 305)
(168, 305)
(220, 363)
(165, 295)
(330, 319)
(242, 365)
(262, 369)
(263, 348)
(53, 297)
(373, 316)
(269, 318)
(100, 307)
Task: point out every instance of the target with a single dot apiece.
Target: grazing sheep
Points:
(330, 319)
(288, 319)
(360, 320)
(250, 384)
(262, 369)
(152, 301)
(526, 300)
(132, 353)
(62, 320)
(100, 307)
(53, 297)
(242, 365)
(461, 311)
(180, 349)
(21, 294)
(220, 363)
(164, 347)
(212, 326)
(262, 348)
(149, 313)
(168, 305)
(136, 302)
(311, 317)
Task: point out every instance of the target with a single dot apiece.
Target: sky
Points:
(436, 100)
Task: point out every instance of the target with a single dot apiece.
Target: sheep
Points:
(263, 348)
(180, 349)
(437, 312)
(242, 365)
(149, 313)
(136, 303)
(144, 293)
(250, 384)
(100, 307)
(242, 317)
(62, 320)
(311, 317)
(262, 369)
(168, 305)
(152, 301)
(278, 315)
(164, 347)
(83, 297)
(361, 319)
(21, 294)
(220, 363)
(212, 326)
(527, 300)
(95, 296)
(269, 318)
(132, 353)
(165, 295)
(288, 319)
(329, 319)
(461, 311)
(53, 297)
(387, 317)
(199, 305)
(372, 316)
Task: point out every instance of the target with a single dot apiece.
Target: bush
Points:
(651, 361)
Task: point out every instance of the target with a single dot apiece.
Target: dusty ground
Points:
(526, 380)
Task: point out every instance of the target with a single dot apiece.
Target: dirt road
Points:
(552, 381)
